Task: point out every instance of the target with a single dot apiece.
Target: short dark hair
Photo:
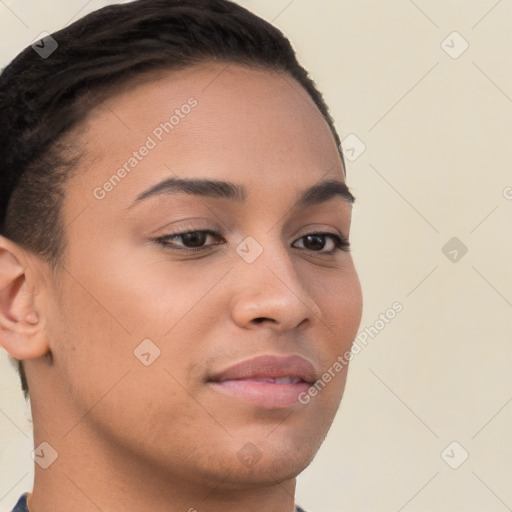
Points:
(96, 54)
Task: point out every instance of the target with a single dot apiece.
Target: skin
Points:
(134, 437)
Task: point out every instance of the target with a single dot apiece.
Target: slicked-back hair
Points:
(43, 99)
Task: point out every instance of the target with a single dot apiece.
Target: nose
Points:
(271, 292)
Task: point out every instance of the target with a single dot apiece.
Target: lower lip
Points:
(268, 395)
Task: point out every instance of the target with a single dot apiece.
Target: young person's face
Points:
(207, 310)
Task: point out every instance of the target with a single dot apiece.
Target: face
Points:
(190, 316)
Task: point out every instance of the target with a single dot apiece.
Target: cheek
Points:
(342, 303)
(88, 344)
(144, 292)
(108, 387)
(106, 310)
(353, 305)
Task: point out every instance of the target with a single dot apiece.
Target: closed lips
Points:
(279, 380)
(277, 369)
(268, 382)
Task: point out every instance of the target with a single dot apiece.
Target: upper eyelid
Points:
(216, 233)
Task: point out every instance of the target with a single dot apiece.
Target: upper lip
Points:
(269, 366)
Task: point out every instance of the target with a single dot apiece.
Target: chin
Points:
(274, 462)
(253, 465)
(266, 473)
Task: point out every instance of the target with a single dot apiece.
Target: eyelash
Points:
(340, 243)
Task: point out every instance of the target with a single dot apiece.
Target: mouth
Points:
(269, 382)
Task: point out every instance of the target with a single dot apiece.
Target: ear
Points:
(22, 332)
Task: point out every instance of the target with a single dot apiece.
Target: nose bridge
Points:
(264, 254)
(270, 286)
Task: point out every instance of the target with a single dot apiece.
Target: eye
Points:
(317, 242)
(192, 241)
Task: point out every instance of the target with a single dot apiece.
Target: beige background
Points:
(436, 166)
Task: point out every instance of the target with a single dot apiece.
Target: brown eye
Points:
(314, 242)
(189, 241)
(317, 242)
(194, 238)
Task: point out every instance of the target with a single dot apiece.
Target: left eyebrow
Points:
(314, 195)
(323, 192)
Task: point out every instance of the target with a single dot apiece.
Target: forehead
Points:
(224, 121)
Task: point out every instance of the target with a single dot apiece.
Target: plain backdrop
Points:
(421, 92)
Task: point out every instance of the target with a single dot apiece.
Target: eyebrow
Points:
(314, 195)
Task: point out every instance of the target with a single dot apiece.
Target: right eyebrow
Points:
(199, 187)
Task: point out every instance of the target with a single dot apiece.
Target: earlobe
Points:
(21, 327)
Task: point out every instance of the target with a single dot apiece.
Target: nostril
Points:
(261, 319)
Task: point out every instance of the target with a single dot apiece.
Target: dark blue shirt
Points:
(21, 506)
